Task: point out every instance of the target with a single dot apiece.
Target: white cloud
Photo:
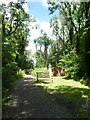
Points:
(44, 3)
(25, 5)
(7, 1)
(46, 27)
(35, 33)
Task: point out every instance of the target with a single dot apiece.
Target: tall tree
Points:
(43, 42)
(76, 19)
(15, 32)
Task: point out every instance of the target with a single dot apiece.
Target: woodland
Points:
(70, 47)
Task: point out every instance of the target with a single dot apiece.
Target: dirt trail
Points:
(30, 101)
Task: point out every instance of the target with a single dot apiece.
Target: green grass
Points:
(73, 91)
(38, 70)
(66, 87)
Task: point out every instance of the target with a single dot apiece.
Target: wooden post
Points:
(37, 76)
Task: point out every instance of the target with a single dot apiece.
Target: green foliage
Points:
(42, 57)
(86, 50)
(55, 53)
(71, 28)
(84, 114)
(8, 72)
(85, 81)
(72, 92)
(38, 69)
(40, 62)
(21, 73)
(9, 81)
(15, 32)
(70, 62)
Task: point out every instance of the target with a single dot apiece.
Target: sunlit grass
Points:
(72, 90)
(44, 69)
(59, 81)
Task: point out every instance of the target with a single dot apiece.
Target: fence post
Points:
(37, 76)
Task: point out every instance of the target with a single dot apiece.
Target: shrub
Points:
(71, 64)
(9, 72)
(21, 73)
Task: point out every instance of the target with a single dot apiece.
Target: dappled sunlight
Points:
(70, 89)
(58, 81)
(46, 79)
(26, 102)
(75, 94)
(23, 112)
(84, 96)
(27, 79)
(26, 85)
(15, 102)
(69, 93)
(63, 85)
(29, 100)
(41, 47)
(43, 82)
(28, 76)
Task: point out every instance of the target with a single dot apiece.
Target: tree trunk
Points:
(87, 40)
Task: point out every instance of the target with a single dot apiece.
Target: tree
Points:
(43, 42)
(39, 56)
(75, 18)
(15, 33)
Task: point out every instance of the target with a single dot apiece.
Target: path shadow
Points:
(73, 98)
(31, 101)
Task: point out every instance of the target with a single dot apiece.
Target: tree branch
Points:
(11, 32)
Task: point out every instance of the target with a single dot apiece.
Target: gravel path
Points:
(30, 101)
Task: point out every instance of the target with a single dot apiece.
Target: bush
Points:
(9, 72)
(43, 69)
(21, 73)
(28, 71)
(85, 81)
(71, 64)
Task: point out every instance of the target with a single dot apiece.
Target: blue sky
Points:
(39, 11)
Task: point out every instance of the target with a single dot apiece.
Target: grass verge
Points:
(72, 91)
(38, 70)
